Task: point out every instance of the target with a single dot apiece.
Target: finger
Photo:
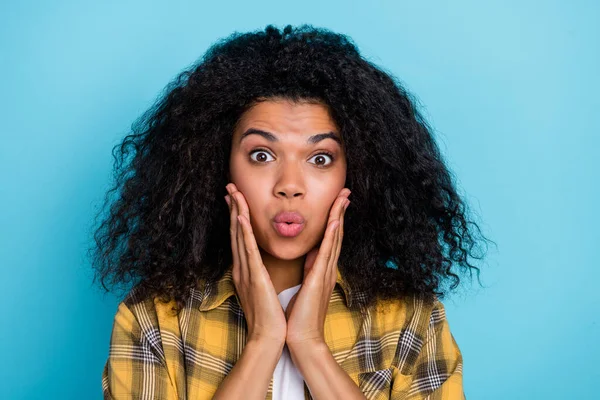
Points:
(335, 213)
(332, 258)
(333, 217)
(336, 245)
(324, 256)
(252, 252)
(240, 243)
(340, 240)
(336, 207)
(233, 224)
(341, 228)
(242, 204)
(337, 237)
(237, 237)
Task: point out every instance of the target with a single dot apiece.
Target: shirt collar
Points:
(219, 291)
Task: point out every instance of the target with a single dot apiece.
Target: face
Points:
(288, 156)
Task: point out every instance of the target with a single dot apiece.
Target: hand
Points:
(307, 309)
(262, 309)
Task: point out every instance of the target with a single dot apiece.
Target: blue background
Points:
(511, 88)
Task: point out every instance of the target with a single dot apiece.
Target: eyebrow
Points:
(272, 138)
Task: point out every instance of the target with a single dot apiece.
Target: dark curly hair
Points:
(167, 227)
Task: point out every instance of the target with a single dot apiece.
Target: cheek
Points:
(322, 218)
(245, 182)
(322, 208)
(236, 170)
(251, 197)
(256, 200)
(328, 195)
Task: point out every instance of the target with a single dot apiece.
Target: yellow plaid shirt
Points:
(405, 351)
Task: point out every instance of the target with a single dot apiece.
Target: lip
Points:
(289, 216)
(288, 230)
(288, 223)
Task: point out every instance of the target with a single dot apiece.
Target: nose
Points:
(290, 182)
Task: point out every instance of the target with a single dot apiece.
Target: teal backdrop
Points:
(510, 87)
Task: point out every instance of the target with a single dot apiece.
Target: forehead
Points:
(284, 116)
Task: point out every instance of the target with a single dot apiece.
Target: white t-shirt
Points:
(288, 382)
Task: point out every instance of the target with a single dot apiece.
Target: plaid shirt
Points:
(405, 351)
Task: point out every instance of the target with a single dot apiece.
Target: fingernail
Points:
(227, 200)
(347, 204)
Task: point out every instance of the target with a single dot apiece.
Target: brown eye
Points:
(321, 159)
(262, 156)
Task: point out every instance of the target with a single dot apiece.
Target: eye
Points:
(262, 156)
(322, 156)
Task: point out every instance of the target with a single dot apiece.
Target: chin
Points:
(283, 251)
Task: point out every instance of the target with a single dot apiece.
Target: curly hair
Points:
(167, 225)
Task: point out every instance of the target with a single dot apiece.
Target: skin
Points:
(292, 175)
(289, 178)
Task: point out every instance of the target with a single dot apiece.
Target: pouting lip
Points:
(289, 216)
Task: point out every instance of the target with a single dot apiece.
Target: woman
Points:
(320, 272)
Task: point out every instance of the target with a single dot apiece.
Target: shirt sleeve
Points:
(437, 371)
(134, 368)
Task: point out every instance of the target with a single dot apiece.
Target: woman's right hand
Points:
(263, 312)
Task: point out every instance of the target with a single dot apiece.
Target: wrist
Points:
(263, 343)
(307, 354)
(308, 346)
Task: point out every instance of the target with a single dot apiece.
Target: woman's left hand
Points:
(307, 309)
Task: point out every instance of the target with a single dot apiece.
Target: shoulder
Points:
(414, 312)
(419, 330)
(145, 317)
(144, 355)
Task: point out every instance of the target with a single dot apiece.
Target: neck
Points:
(283, 273)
